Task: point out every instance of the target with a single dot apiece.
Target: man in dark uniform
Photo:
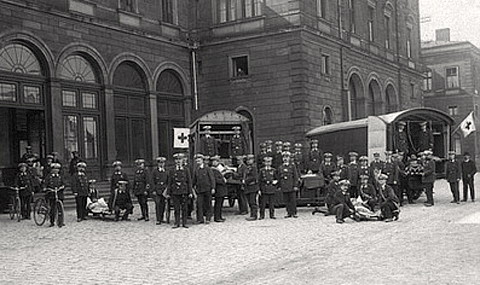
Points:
(341, 206)
(220, 189)
(241, 197)
(353, 174)
(261, 155)
(251, 187)
(428, 177)
(400, 139)
(237, 145)
(159, 185)
(277, 156)
(208, 144)
(121, 200)
(402, 177)
(327, 167)
(468, 172)
(269, 148)
(377, 163)
(73, 162)
(204, 184)
(179, 189)
(453, 173)
(288, 184)
(363, 168)
(367, 192)
(425, 137)
(141, 187)
(286, 146)
(117, 175)
(314, 157)
(389, 203)
(299, 158)
(342, 167)
(54, 180)
(28, 153)
(24, 182)
(267, 181)
(48, 165)
(390, 168)
(331, 189)
(80, 190)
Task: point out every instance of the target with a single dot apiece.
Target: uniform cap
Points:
(298, 145)
(215, 157)
(286, 153)
(395, 155)
(328, 154)
(376, 154)
(344, 182)
(139, 161)
(388, 152)
(207, 128)
(31, 159)
(240, 157)
(81, 164)
(263, 145)
(54, 153)
(28, 147)
(287, 144)
(382, 177)
(402, 123)
(353, 153)
(428, 152)
(268, 142)
(178, 155)
(49, 156)
(278, 143)
(22, 164)
(420, 153)
(92, 181)
(363, 158)
(236, 128)
(206, 157)
(122, 182)
(364, 176)
(56, 165)
(401, 153)
(199, 155)
(267, 159)
(423, 123)
(339, 157)
(250, 156)
(315, 141)
(160, 159)
(117, 163)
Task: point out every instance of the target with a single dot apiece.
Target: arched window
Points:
(374, 103)
(129, 75)
(327, 116)
(20, 59)
(170, 109)
(77, 68)
(391, 99)
(356, 97)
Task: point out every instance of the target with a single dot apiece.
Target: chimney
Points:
(442, 35)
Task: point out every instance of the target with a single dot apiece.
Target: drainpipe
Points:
(194, 49)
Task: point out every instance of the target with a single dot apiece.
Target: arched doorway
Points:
(170, 109)
(82, 109)
(391, 99)
(356, 97)
(23, 73)
(248, 128)
(131, 112)
(374, 102)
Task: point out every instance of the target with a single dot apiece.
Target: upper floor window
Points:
(325, 64)
(452, 77)
(128, 5)
(409, 42)
(427, 80)
(371, 23)
(453, 110)
(231, 10)
(388, 12)
(412, 90)
(327, 116)
(239, 66)
(169, 11)
(321, 8)
(351, 10)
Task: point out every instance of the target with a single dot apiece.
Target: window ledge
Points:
(239, 26)
(240, 79)
(129, 18)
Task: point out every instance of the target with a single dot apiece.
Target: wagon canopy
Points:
(226, 117)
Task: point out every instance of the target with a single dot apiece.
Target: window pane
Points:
(90, 137)
(240, 66)
(69, 98)
(248, 8)
(222, 10)
(8, 92)
(31, 95)
(89, 100)
(138, 139)
(20, 59)
(121, 138)
(70, 134)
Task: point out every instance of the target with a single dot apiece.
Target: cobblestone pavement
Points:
(437, 245)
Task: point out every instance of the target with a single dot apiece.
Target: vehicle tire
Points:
(18, 209)
(231, 202)
(60, 214)
(40, 211)
(12, 208)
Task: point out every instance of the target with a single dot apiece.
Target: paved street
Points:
(436, 245)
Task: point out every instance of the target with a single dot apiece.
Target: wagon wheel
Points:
(231, 202)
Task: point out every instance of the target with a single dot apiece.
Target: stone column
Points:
(110, 125)
(154, 124)
(54, 115)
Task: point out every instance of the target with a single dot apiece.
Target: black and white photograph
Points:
(240, 142)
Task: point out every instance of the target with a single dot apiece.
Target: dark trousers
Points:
(180, 208)
(388, 209)
(429, 192)
(159, 207)
(128, 209)
(290, 199)
(468, 183)
(217, 209)
(353, 191)
(54, 211)
(26, 205)
(81, 202)
(252, 203)
(340, 211)
(455, 190)
(398, 191)
(142, 201)
(204, 206)
(270, 200)
(242, 200)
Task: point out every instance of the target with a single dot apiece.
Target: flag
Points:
(180, 137)
(468, 125)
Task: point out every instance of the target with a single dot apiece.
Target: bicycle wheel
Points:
(40, 211)
(60, 214)
(12, 208)
(18, 209)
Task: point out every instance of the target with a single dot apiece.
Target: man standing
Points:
(28, 153)
(159, 181)
(314, 157)
(73, 162)
(400, 139)
(220, 189)
(208, 144)
(468, 172)
(425, 138)
(453, 173)
(241, 197)
(179, 189)
(140, 188)
(54, 181)
(288, 180)
(267, 181)
(353, 174)
(118, 175)
(390, 169)
(327, 167)
(277, 156)
(204, 185)
(261, 155)
(428, 177)
(80, 190)
(377, 163)
(299, 158)
(237, 145)
(24, 182)
(251, 187)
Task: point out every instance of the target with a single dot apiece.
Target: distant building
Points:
(452, 84)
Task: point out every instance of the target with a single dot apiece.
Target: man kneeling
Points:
(122, 201)
(341, 205)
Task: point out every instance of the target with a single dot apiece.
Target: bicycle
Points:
(42, 209)
(16, 204)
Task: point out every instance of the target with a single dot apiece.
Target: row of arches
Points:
(373, 98)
